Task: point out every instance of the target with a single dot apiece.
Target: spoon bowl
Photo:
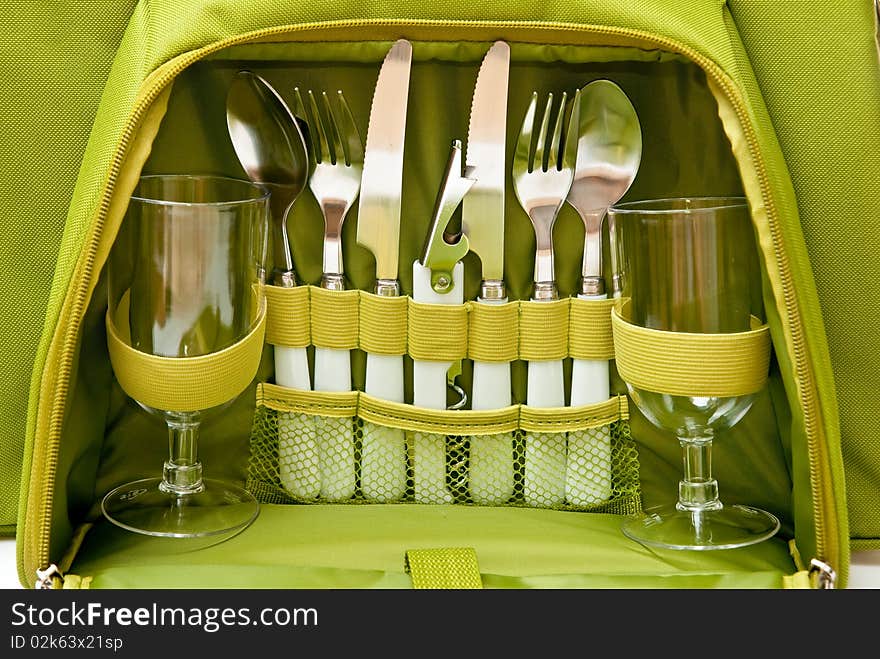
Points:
(609, 152)
(271, 148)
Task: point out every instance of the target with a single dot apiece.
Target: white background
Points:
(864, 571)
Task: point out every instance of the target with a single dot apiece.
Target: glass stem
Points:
(698, 490)
(183, 472)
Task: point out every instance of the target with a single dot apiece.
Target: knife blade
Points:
(383, 450)
(491, 469)
(378, 226)
(482, 217)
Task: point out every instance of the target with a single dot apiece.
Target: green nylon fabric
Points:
(818, 69)
(364, 547)
(161, 29)
(54, 60)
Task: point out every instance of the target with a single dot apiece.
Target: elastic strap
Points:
(186, 384)
(589, 329)
(543, 330)
(334, 318)
(437, 332)
(493, 332)
(573, 419)
(383, 322)
(691, 364)
(416, 419)
(338, 404)
(446, 568)
(287, 318)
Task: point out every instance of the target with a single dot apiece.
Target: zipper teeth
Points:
(66, 359)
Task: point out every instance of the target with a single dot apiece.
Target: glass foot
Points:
(727, 528)
(142, 507)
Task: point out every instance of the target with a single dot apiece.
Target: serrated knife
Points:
(490, 470)
(383, 452)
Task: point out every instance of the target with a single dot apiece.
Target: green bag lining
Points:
(332, 546)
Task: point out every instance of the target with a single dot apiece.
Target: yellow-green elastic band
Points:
(493, 332)
(186, 384)
(692, 364)
(589, 329)
(447, 568)
(338, 404)
(334, 318)
(543, 330)
(288, 317)
(443, 422)
(383, 323)
(437, 332)
(572, 419)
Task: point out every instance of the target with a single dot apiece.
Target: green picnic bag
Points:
(734, 98)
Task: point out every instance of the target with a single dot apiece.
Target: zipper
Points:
(825, 525)
(45, 577)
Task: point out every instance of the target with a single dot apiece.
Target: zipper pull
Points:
(823, 575)
(44, 577)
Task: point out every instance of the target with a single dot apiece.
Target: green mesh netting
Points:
(305, 458)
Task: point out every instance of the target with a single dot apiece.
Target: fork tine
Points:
(323, 151)
(354, 153)
(553, 160)
(539, 161)
(302, 118)
(521, 161)
(333, 132)
(569, 156)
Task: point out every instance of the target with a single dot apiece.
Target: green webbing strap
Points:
(446, 568)
(287, 317)
(437, 332)
(185, 384)
(339, 404)
(444, 422)
(572, 419)
(334, 318)
(589, 329)
(543, 330)
(493, 332)
(382, 324)
(691, 364)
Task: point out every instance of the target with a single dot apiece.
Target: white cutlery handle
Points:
(588, 468)
(299, 466)
(429, 390)
(335, 436)
(545, 384)
(336, 444)
(429, 449)
(298, 458)
(544, 478)
(491, 470)
(332, 370)
(292, 368)
(383, 450)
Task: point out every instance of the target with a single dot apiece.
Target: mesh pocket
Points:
(306, 450)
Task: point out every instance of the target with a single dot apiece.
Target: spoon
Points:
(270, 146)
(609, 152)
(272, 151)
(608, 155)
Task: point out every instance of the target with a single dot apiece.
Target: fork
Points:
(337, 160)
(541, 181)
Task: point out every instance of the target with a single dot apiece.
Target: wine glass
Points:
(185, 326)
(690, 265)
